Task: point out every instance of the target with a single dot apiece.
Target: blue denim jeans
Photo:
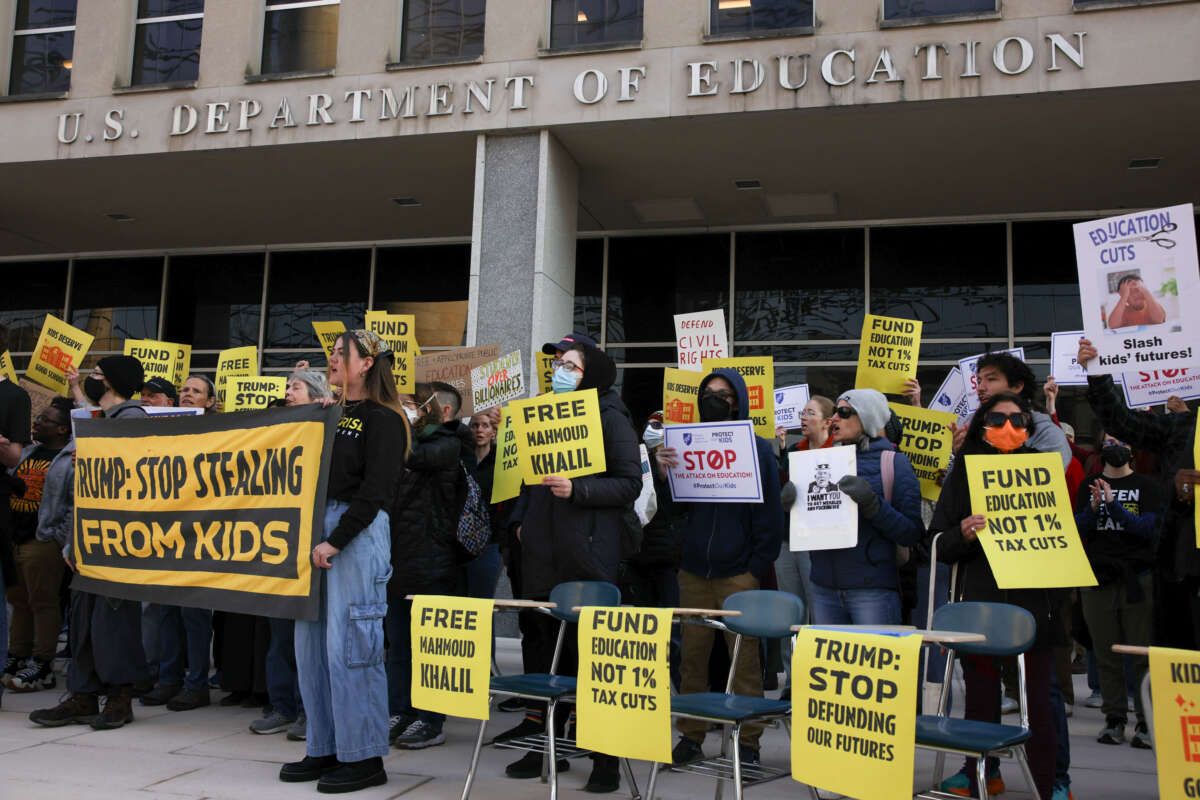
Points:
(283, 690)
(339, 656)
(184, 630)
(855, 606)
(399, 659)
(483, 572)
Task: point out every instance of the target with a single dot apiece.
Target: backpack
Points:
(887, 474)
(474, 524)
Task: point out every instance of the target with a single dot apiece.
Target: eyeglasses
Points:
(995, 419)
(845, 412)
(558, 363)
(40, 418)
(722, 395)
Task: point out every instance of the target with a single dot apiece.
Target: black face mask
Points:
(94, 389)
(1116, 455)
(714, 409)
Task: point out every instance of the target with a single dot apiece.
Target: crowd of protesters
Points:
(399, 466)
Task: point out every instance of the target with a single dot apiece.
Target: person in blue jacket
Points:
(860, 585)
(727, 548)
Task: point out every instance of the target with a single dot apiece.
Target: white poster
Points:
(951, 397)
(1138, 278)
(1152, 387)
(967, 368)
(718, 462)
(823, 518)
(789, 405)
(699, 336)
(497, 382)
(1066, 370)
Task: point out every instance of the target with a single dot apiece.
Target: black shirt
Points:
(32, 471)
(15, 426)
(368, 453)
(1112, 547)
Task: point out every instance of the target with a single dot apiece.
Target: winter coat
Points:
(424, 517)
(726, 539)
(662, 537)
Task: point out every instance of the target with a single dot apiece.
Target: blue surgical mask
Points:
(563, 381)
(652, 437)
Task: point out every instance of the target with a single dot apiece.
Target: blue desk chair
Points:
(1010, 631)
(764, 615)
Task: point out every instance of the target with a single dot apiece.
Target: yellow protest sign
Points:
(759, 374)
(506, 484)
(6, 367)
(887, 353)
(853, 717)
(680, 390)
(183, 363)
(624, 691)
(400, 332)
(558, 434)
(59, 348)
(545, 372)
(328, 333)
(927, 443)
(248, 392)
(451, 655)
(231, 363)
(158, 358)
(1030, 539)
(1175, 692)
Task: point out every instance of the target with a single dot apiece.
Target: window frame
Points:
(139, 21)
(6, 69)
(591, 47)
(762, 33)
(290, 5)
(997, 12)
(403, 62)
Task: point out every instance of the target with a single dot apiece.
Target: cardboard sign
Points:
(559, 434)
(853, 718)
(328, 334)
(927, 442)
(759, 374)
(1064, 345)
(1138, 284)
(718, 463)
(6, 367)
(454, 367)
(1152, 387)
(506, 483)
(968, 368)
(400, 333)
(951, 396)
(624, 692)
(545, 372)
(789, 406)
(183, 363)
(40, 397)
(680, 390)
(451, 655)
(700, 336)
(887, 353)
(252, 392)
(231, 363)
(1030, 538)
(59, 348)
(497, 382)
(158, 358)
(823, 517)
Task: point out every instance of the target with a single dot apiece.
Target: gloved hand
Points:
(860, 492)
(787, 495)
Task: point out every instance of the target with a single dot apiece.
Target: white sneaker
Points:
(1094, 700)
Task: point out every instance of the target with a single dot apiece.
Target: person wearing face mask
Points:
(1003, 424)
(1116, 522)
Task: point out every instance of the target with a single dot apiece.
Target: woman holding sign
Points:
(1003, 424)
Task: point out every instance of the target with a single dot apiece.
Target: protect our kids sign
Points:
(718, 463)
(1138, 283)
(699, 336)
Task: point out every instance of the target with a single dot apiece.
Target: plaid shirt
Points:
(1171, 438)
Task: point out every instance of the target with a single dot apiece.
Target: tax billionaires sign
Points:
(217, 511)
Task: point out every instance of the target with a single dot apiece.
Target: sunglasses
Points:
(995, 419)
(845, 412)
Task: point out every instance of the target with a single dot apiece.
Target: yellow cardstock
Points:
(759, 374)
(400, 332)
(1175, 692)
(183, 363)
(545, 372)
(6, 367)
(1030, 539)
(927, 442)
(158, 358)
(680, 390)
(853, 716)
(887, 353)
(249, 392)
(507, 481)
(624, 692)
(232, 363)
(558, 434)
(327, 334)
(451, 655)
(59, 348)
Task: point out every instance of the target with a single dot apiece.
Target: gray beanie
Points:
(871, 407)
(318, 385)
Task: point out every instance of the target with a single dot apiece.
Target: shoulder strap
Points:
(887, 472)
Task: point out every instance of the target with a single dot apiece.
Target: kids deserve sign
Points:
(680, 390)
(1138, 284)
(718, 463)
(59, 348)
(887, 353)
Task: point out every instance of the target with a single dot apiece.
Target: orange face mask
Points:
(1005, 438)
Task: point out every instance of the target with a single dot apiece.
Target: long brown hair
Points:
(378, 382)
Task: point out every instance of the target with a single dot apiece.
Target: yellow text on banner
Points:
(327, 334)
(927, 443)
(232, 363)
(1030, 538)
(558, 434)
(759, 374)
(158, 358)
(451, 655)
(624, 692)
(1175, 691)
(183, 363)
(680, 390)
(6, 367)
(400, 333)
(254, 391)
(59, 348)
(545, 372)
(507, 482)
(887, 353)
(853, 718)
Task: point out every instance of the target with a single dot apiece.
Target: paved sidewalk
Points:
(209, 754)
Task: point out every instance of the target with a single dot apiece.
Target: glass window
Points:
(917, 9)
(589, 22)
(214, 302)
(314, 286)
(746, 16)
(116, 299)
(799, 285)
(1045, 279)
(43, 42)
(442, 29)
(589, 283)
(166, 41)
(36, 289)
(651, 278)
(300, 37)
(951, 277)
(432, 283)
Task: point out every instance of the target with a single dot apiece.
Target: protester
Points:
(339, 656)
(14, 436)
(306, 386)
(481, 573)
(42, 519)
(159, 392)
(727, 548)
(198, 392)
(1004, 423)
(105, 633)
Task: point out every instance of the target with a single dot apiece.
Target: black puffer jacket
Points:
(579, 538)
(424, 518)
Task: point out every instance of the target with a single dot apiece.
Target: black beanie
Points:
(124, 374)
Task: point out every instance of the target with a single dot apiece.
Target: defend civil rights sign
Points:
(216, 511)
